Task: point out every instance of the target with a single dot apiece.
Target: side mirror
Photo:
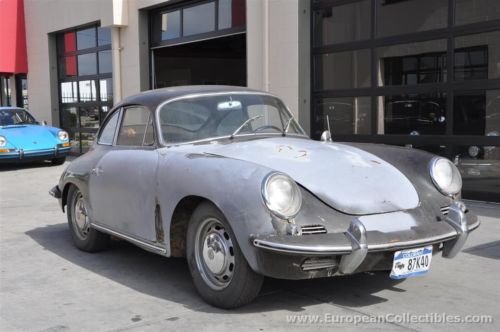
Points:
(326, 136)
(44, 123)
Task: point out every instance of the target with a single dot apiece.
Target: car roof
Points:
(11, 108)
(153, 98)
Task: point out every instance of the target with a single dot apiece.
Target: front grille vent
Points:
(313, 229)
(445, 210)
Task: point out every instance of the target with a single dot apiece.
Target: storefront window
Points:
(231, 14)
(344, 116)
(341, 24)
(477, 112)
(85, 75)
(473, 11)
(407, 16)
(415, 63)
(343, 70)
(412, 114)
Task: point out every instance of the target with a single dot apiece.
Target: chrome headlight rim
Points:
(3, 141)
(64, 134)
(456, 180)
(296, 200)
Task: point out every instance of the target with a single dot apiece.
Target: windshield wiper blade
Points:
(244, 124)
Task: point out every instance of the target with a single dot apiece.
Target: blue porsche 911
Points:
(22, 138)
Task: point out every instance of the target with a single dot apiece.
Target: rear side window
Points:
(136, 127)
(108, 132)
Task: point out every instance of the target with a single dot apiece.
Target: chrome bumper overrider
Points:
(354, 245)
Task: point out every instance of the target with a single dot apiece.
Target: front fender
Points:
(234, 186)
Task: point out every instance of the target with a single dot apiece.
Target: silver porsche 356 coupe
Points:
(227, 178)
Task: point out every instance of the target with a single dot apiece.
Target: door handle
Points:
(96, 171)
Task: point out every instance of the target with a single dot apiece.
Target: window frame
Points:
(105, 123)
(151, 115)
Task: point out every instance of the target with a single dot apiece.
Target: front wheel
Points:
(219, 270)
(84, 237)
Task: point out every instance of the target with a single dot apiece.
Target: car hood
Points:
(347, 178)
(29, 137)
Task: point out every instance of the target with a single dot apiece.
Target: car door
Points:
(122, 186)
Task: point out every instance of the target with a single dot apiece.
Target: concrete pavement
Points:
(46, 284)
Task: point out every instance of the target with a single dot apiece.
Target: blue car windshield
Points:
(15, 116)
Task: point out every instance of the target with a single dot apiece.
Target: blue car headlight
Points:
(63, 135)
(3, 141)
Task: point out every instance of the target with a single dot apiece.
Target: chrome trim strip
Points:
(294, 249)
(325, 250)
(141, 243)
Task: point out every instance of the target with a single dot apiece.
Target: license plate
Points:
(410, 263)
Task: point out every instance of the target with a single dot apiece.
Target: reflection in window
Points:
(69, 117)
(87, 139)
(231, 14)
(69, 92)
(87, 91)
(400, 17)
(103, 36)
(481, 58)
(472, 11)
(480, 169)
(342, 24)
(89, 117)
(106, 89)
(342, 70)
(414, 63)
(86, 38)
(105, 65)
(133, 127)
(171, 25)
(345, 115)
(419, 114)
(477, 112)
(199, 19)
(87, 64)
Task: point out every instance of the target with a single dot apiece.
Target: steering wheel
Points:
(267, 127)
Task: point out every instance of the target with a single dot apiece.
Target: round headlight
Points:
(63, 135)
(281, 195)
(3, 141)
(445, 176)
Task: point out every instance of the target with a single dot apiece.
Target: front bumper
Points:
(358, 250)
(16, 155)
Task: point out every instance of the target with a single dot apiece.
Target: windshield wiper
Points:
(287, 126)
(244, 124)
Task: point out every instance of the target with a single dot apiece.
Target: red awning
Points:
(13, 57)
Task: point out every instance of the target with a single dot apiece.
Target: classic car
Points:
(226, 177)
(22, 138)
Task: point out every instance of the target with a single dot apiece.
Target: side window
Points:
(108, 132)
(135, 127)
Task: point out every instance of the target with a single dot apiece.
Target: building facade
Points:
(422, 73)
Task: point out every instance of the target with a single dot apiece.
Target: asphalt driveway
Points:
(48, 285)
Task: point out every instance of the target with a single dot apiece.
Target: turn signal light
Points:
(67, 144)
(4, 150)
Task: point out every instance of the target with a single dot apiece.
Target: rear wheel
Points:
(58, 161)
(84, 237)
(219, 270)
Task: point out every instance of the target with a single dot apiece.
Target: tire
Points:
(84, 237)
(230, 288)
(58, 161)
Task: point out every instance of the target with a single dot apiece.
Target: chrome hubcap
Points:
(214, 254)
(80, 218)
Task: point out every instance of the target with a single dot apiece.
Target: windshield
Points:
(15, 116)
(204, 117)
